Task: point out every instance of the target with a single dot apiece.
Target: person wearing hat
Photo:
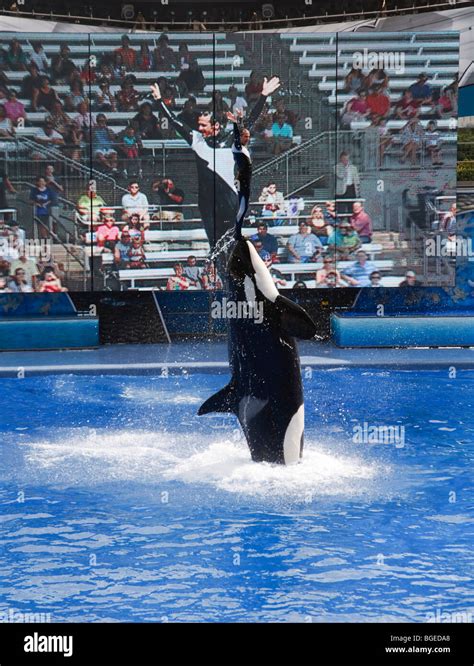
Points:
(410, 280)
(421, 90)
(343, 241)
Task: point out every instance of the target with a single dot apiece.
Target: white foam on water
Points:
(153, 395)
(92, 457)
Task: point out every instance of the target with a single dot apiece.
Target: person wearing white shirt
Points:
(39, 58)
(238, 104)
(135, 202)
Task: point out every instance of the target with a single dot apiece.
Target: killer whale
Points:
(265, 391)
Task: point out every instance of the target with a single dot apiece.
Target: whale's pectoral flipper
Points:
(224, 400)
(295, 321)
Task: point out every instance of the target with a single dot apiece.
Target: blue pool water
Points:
(120, 504)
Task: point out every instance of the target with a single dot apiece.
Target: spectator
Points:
(121, 250)
(358, 273)
(50, 282)
(343, 241)
(421, 90)
(39, 58)
(14, 109)
(165, 57)
(376, 78)
(130, 146)
(147, 122)
(191, 80)
(282, 133)
(145, 58)
(29, 267)
(448, 221)
(7, 131)
(237, 103)
(354, 81)
(410, 280)
(41, 199)
(62, 67)
(128, 55)
(218, 107)
(16, 59)
(108, 232)
(330, 212)
(19, 283)
(300, 284)
(355, 110)
(168, 195)
(169, 96)
(331, 280)
(375, 279)
(135, 202)
(412, 136)
(274, 203)
(84, 121)
(55, 188)
(136, 254)
(76, 95)
(136, 227)
(378, 102)
(184, 57)
(5, 186)
(347, 180)
(47, 136)
(319, 225)
(210, 278)
(119, 69)
(254, 87)
(105, 100)
(290, 116)
(269, 242)
(406, 107)
(263, 254)
(189, 115)
(361, 222)
(127, 97)
(433, 143)
(193, 272)
(444, 106)
(44, 97)
(4, 288)
(89, 205)
(178, 281)
(103, 140)
(304, 246)
(31, 81)
(328, 266)
(59, 118)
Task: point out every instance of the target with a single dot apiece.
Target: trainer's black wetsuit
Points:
(217, 193)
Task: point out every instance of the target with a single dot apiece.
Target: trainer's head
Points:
(244, 136)
(208, 125)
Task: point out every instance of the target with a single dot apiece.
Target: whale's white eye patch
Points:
(263, 279)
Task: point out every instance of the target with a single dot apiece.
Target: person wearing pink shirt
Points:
(14, 109)
(361, 222)
(108, 233)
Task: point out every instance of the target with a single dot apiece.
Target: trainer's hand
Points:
(155, 90)
(269, 86)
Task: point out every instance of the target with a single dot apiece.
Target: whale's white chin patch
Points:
(263, 279)
(292, 441)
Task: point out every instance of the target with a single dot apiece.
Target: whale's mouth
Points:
(220, 461)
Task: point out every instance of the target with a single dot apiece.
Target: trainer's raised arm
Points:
(155, 91)
(270, 85)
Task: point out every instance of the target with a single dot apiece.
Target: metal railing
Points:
(251, 24)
